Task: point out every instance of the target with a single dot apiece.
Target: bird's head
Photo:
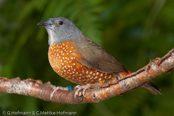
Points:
(61, 29)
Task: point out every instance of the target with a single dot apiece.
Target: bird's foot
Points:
(58, 88)
(84, 88)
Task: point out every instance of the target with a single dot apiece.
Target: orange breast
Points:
(64, 59)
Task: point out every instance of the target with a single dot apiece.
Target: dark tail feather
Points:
(152, 88)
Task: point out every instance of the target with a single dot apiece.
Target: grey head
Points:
(61, 29)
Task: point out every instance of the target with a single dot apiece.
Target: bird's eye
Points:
(60, 22)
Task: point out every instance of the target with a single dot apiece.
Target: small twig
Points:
(130, 82)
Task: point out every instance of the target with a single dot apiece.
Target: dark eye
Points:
(60, 22)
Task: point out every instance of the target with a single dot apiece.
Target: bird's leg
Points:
(85, 87)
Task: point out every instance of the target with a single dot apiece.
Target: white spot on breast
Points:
(109, 76)
(90, 72)
(96, 77)
(91, 77)
(105, 77)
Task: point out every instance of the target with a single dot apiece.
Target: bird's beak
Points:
(47, 24)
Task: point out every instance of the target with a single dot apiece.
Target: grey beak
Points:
(47, 24)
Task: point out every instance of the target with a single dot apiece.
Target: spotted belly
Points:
(64, 57)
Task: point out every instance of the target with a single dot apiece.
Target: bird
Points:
(80, 60)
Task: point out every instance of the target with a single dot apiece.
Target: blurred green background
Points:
(133, 31)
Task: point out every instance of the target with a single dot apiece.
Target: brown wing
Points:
(93, 56)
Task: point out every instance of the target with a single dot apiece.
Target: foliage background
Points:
(133, 31)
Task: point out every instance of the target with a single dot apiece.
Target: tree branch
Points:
(48, 92)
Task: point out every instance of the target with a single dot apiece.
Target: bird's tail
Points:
(152, 88)
(148, 86)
